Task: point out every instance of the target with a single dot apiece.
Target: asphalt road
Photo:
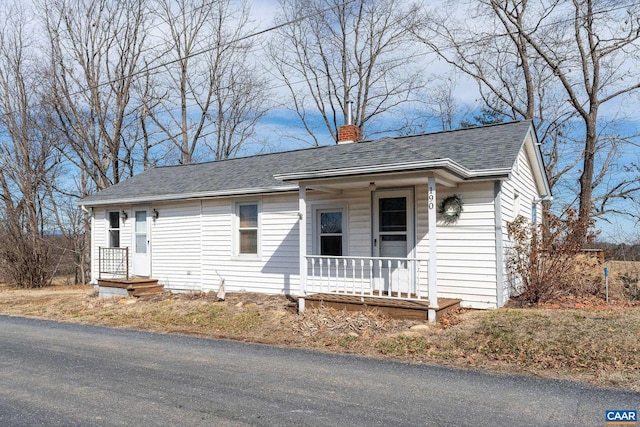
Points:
(65, 374)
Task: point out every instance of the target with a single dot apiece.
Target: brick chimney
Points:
(348, 132)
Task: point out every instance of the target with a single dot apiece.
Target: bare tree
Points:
(356, 50)
(441, 102)
(28, 164)
(95, 52)
(512, 82)
(221, 93)
(558, 63)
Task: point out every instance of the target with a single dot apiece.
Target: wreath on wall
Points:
(450, 209)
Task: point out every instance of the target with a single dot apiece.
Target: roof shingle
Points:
(493, 147)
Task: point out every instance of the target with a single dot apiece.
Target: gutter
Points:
(186, 196)
(396, 167)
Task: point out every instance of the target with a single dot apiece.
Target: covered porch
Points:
(389, 260)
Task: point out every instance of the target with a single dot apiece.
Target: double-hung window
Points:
(330, 232)
(248, 228)
(114, 229)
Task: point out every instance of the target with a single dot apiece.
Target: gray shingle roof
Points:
(493, 147)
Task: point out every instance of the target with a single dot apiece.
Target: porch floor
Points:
(135, 286)
(392, 307)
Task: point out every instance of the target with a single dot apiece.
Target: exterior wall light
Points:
(155, 214)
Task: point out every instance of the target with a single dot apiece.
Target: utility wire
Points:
(209, 49)
(294, 21)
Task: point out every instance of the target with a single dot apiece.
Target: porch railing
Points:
(113, 262)
(367, 276)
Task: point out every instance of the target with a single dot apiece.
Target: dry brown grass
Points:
(598, 345)
(616, 270)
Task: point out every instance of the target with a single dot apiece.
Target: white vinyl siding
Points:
(99, 222)
(466, 258)
(176, 246)
(522, 184)
(275, 270)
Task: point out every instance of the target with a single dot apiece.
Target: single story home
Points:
(408, 217)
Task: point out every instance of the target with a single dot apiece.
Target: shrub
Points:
(631, 283)
(25, 259)
(546, 263)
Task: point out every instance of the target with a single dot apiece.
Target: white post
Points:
(302, 239)
(432, 273)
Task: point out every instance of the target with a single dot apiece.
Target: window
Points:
(393, 214)
(114, 229)
(393, 228)
(330, 237)
(247, 214)
(330, 232)
(141, 232)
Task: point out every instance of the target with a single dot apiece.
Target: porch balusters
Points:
(365, 276)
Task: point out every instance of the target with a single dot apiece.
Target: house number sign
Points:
(432, 198)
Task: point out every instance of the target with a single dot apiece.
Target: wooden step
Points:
(147, 291)
(129, 284)
(148, 285)
(134, 286)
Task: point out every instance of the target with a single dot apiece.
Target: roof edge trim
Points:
(394, 167)
(187, 196)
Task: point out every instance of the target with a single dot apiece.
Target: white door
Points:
(393, 238)
(141, 262)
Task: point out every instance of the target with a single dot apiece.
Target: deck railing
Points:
(367, 276)
(113, 262)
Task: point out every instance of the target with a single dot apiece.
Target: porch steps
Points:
(392, 307)
(134, 287)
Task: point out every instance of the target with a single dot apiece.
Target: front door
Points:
(141, 265)
(393, 238)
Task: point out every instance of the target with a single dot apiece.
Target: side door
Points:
(141, 260)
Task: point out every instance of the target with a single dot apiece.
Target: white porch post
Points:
(432, 274)
(302, 239)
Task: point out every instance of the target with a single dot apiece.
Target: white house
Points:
(359, 218)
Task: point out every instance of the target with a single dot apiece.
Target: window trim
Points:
(110, 229)
(315, 236)
(236, 229)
